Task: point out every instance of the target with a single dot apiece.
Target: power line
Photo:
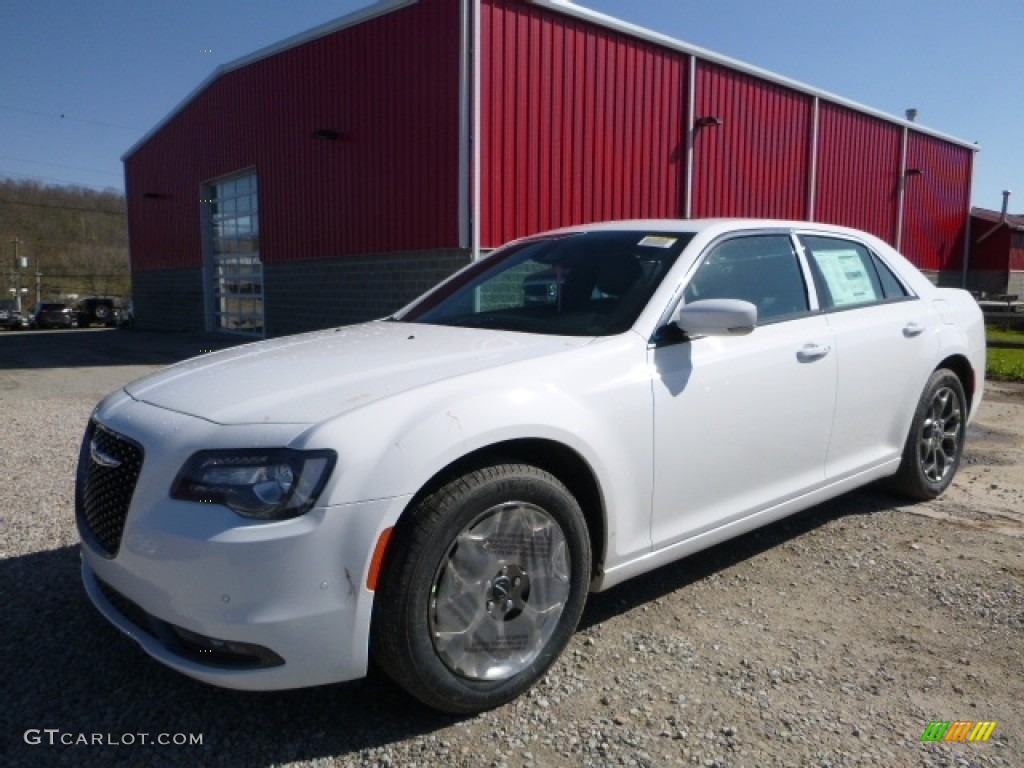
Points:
(70, 118)
(63, 207)
(58, 165)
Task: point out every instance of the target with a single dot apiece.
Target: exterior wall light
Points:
(327, 134)
(914, 172)
(707, 121)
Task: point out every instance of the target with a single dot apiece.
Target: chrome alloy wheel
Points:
(499, 592)
(939, 439)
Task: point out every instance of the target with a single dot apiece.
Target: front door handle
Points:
(912, 329)
(808, 353)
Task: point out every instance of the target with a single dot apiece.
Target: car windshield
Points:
(582, 284)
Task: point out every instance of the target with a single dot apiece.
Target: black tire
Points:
(520, 541)
(935, 442)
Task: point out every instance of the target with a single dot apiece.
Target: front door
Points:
(742, 423)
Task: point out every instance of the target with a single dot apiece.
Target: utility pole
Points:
(19, 264)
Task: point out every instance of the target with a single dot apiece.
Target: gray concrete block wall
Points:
(947, 278)
(987, 280)
(320, 293)
(300, 295)
(169, 299)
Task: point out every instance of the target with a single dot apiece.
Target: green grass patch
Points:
(1005, 364)
(995, 332)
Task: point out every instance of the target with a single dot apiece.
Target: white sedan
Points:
(441, 489)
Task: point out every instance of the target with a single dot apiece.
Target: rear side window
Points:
(892, 287)
(847, 274)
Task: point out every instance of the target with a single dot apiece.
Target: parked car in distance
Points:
(441, 489)
(97, 311)
(12, 320)
(50, 315)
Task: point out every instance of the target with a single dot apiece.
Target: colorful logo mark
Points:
(958, 730)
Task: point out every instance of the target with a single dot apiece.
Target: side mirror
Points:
(716, 317)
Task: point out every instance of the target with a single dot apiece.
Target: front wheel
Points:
(484, 582)
(935, 443)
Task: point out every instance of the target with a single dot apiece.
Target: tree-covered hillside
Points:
(75, 240)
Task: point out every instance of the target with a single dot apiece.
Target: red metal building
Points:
(997, 252)
(336, 175)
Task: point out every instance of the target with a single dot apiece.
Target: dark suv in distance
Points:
(11, 318)
(50, 315)
(97, 311)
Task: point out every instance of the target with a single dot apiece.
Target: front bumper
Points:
(193, 583)
(301, 597)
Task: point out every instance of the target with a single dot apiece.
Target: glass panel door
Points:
(235, 291)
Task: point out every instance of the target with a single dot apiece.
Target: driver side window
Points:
(761, 269)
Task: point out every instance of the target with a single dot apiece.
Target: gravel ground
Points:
(829, 639)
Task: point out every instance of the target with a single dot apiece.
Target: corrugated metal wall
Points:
(991, 247)
(1016, 260)
(937, 192)
(756, 162)
(579, 123)
(558, 147)
(858, 171)
(210, 137)
(996, 246)
(389, 85)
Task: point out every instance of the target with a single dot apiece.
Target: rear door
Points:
(881, 333)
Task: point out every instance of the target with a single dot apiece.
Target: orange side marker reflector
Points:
(378, 559)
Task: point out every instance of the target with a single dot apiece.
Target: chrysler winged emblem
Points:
(101, 458)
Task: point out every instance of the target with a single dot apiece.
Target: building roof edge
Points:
(570, 8)
(379, 8)
(566, 7)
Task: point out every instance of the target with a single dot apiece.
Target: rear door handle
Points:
(808, 353)
(910, 330)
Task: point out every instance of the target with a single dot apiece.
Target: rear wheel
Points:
(935, 443)
(483, 585)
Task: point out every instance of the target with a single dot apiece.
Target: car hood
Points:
(311, 377)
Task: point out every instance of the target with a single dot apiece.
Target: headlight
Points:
(273, 484)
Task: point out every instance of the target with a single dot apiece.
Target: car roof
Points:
(710, 225)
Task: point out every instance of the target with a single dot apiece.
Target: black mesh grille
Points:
(108, 469)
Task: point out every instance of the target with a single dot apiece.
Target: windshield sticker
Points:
(658, 241)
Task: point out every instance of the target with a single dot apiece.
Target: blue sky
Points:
(80, 82)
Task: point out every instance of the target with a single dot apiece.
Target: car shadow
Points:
(81, 347)
(63, 667)
(697, 567)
